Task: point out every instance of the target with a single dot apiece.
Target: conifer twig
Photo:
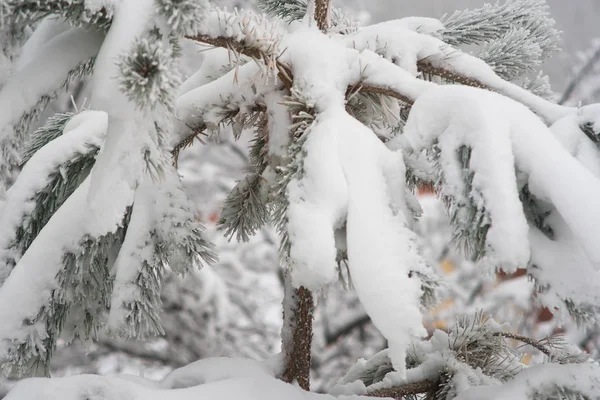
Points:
(426, 67)
(526, 340)
(186, 142)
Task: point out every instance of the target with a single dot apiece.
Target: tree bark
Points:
(322, 14)
(296, 333)
(398, 392)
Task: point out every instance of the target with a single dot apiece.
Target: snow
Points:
(380, 264)
(131, 132)
(542, 380)
(553, 174)
(36, 271)
(82, 134)
(214, 62)
(254, 31)
(137, 249)
(396, 42)
(245, 383)
(348, 170)
(486, 132)
(238, 89)
(568, 131)
(42, 76)
(279, 122)
(318, 204)
(48, 29)
(218, 369)
(381, 73)
(551, 258)
(401, 42)
(325, 68)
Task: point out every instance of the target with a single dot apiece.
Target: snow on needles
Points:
(349, 176)
(37, 269)
(507, 136)
(82, 134)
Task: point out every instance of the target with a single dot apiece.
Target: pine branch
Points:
(290, 10)
(526, 340)
(74, 11)
(187, 142)
(425, 67)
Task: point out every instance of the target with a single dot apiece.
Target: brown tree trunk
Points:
(296, 333)
(322, 14)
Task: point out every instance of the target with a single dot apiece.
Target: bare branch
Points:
(357, 323)
(580, 76)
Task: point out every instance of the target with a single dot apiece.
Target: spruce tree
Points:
(347, 122)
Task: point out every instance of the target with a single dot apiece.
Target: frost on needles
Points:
(346, 122)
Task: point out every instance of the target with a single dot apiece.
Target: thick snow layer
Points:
(84, 133)
(137, 249)
(46, 72)
(48, 29)
(553, 174)
(36, 271)
(131, 132)
(569, 133)
(348, 170)
(215, 61)
(107, 388)
(324, 65)
(552, 258)
(434, 118)
(252, 30)
(279, 122)
(405, 42)
(218, 369)
(42, 76)
(208, 104)
(382, 73)
(318, 204)
(542, 380)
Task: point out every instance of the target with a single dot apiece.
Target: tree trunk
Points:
(296, 334)
(322, 14)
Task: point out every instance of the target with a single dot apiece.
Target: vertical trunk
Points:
(322, 14)
(296, 333)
